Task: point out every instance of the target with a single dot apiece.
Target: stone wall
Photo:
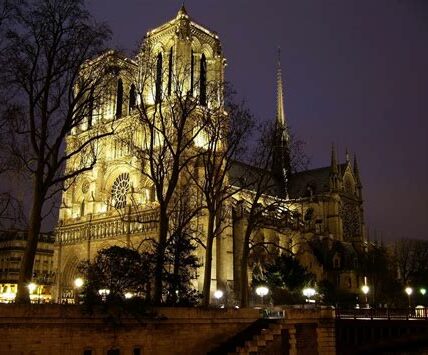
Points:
(55, 329)
(65, 330)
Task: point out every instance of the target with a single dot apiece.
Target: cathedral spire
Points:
(281, 156)
(281, 121)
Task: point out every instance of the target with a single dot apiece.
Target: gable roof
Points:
(243, 175)
(317, 179)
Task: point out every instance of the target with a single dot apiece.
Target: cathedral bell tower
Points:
(181, 57)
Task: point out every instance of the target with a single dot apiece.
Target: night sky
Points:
(355, 73)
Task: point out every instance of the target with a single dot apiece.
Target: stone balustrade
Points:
(106, 227)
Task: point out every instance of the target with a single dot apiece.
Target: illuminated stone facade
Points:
(115, 204)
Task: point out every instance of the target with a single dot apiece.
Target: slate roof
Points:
(241, 175)
(324, 254)
(317, 179)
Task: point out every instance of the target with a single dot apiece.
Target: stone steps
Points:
(259, 341)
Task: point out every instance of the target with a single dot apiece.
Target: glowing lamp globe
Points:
(408, 290)
(365, 289)
(218, 294)
(78, 282)
(262, 291)
(309, 292)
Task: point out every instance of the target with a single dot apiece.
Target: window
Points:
(132, 98)
(113, 352)
(82, 208)
(137, 351)
(159, 79)
(119, 190)
(119, 98)
(87, 352)
(170, 72)
(203, 82)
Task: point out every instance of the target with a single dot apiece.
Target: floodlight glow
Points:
(129, 295)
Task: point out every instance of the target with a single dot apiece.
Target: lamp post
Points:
(309, 292)
(409, 292)
(262, 291)
(366, 290)
(218, 294)
(31, 288)
(78, 283)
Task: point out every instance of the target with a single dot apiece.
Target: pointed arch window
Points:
(119, 98)
(203, 82)
(170, 72)
(82, 208)
(132, 98)
(158, 79)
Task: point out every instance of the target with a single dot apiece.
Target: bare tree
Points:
(171, 119)
(410, 256)
(261, 205)
(227, 134)
(55, 91)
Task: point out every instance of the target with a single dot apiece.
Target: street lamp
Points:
(409, 292)
(31, 288)
(129, 295)
(262, 291)
(104, 292)
(309, 292)
(78, 283)
(218, 294)
(423, 291)
(366, 290)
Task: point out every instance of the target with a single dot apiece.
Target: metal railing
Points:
(419, 313)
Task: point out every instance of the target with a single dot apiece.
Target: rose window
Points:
(119, 190)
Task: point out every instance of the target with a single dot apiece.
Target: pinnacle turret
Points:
(333, 165)
(356, 171)
(182, 12)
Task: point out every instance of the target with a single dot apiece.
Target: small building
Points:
(12, 247)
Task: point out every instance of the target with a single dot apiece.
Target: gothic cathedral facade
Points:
(114, 203)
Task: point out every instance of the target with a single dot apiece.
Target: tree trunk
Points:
(160, 256)
(244, 270)
(208, 261)
(26, 269)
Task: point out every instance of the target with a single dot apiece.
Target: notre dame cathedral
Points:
(326, 202)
